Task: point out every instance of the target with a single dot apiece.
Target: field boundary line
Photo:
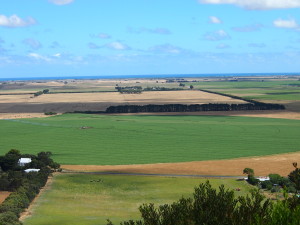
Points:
(155, 174)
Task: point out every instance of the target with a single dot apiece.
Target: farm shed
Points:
(24, 161)
(31, 170)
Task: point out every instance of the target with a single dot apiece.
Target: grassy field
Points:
(113, 140)
(262, 89)
(74, 199)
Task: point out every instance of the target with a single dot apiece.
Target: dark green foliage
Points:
(294, 176)
(275, 179)
(284, 214)
(252, 180)
(208, 206)
(50, 113)
(129, 90)
(38, 93)
(248, 171)
(191, 108)
(25, 186)
(266, 185)
(10, 160)
(253, 209)
(9, 218)
(45, 91)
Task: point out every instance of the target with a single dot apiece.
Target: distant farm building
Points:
(24, 161)
(31, 170)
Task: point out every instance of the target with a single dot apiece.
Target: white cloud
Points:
(15, 21)
(117, 46)
(257, 45)
(32, 43)
(57, 55)
(214, 19)
(217, 35)
(104, 36)
(37, 56)
(92, 45)
(257, 4)
(166, 48)
(157, 30)
(223, 46)
(248, 28)
(290, 23)
(61, 2)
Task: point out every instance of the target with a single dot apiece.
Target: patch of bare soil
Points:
(21, 115)
(4, 195)
(281, 164)
(69, 102)
(29, 210)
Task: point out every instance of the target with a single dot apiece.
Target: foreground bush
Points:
(219, 207)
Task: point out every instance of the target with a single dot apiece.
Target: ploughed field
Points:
(70, 102)
(82, 139)
(84, 199)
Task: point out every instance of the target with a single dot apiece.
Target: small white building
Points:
(24, 161)
(32, 170)
(263, 178)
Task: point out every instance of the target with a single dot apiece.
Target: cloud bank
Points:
(61, 2)
(15, 21)
(290, 23)
(214, 19)
(257, 4)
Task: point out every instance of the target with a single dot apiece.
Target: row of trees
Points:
(45, 91)
(191, 108)
(236, 97)
(24, 186)
(210, 206)
(129, 90)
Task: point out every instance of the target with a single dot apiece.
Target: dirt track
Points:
(281, 164)
(3, 195)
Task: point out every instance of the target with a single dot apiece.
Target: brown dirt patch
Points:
(281, 164)
(69, 102)
(4, 195)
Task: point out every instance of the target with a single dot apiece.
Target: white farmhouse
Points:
(24, 161)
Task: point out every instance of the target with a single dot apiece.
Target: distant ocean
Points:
(157, 76)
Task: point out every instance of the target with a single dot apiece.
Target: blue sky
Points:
(142, 37)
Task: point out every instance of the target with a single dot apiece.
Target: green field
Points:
(74, 199)
(112, 140)
(264, 89)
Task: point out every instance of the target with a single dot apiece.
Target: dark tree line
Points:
(192, 108)
(234, 97)
(24, 186)
(129, 89)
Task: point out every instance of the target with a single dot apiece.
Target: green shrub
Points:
(266, 185)
(252, 180)
(9, 218)
(275, 179)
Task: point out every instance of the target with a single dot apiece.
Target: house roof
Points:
(24, 160)
(32, 170)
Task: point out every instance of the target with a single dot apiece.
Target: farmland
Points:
(70, 102)
(113, 197)
(113, 140)
(260, 89)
